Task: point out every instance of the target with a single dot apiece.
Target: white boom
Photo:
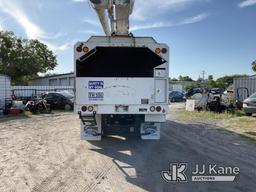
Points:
(114, 15)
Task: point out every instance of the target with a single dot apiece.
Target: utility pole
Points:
(204, 82)
(203, 73)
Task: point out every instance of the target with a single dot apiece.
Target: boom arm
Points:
(114, 15)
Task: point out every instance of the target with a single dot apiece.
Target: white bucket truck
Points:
(121, 81)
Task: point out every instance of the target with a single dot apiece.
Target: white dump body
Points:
(121, 81)
(136, 94)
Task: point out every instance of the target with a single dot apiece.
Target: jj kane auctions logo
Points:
(200, 173)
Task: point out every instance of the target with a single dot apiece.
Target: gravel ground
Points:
(44, 153)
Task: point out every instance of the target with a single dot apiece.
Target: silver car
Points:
(249, 105)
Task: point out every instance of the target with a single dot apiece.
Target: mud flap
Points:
(91, 132)
(150, 131)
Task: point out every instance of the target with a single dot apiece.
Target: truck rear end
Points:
(121, 86)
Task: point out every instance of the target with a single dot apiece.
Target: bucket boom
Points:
(114, 15)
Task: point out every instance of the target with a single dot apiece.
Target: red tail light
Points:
(79, 49)
(84, 108)
(246, 101)
(158, 108)
(164, 50)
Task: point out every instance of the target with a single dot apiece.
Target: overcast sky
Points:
(218, 36)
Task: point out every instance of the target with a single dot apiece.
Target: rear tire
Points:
(67, 107)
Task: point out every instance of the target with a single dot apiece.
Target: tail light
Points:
(164, 50)
(85, 49)
(90, 108)
(84, 108)
(246, 101)
(158, 108)
(152, 108)
(79, 49)
(158, 51)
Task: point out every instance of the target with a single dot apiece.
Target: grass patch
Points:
(251, 133)
(27, 113)
(209, 115)
(235, 120)
(241, 123)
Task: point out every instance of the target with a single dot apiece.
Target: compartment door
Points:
(160, 91)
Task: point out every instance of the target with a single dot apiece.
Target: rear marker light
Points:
(164, 50)
(152, 108)
(158, 109)
(90, 108)
(158, 51)
(85, 49)
(79, 49)
(84, 108)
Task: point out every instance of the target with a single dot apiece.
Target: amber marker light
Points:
(85, 49)
(158, 51)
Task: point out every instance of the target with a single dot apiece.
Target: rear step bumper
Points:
(89, 120)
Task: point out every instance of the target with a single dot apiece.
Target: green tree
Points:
(23, 59)
(199, 80)
(254, 66)
(210, 82)
(185, 78)
(210, 77)
(174, 79)
(190, 86)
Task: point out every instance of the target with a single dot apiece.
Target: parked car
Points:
(176, 96)
(59, 100)
(193, 91)
(215, 94)
(249, 105)
(217, 91)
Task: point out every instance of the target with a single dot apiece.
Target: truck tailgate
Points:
(104, 91)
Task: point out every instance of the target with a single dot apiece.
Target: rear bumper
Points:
(124, 109)
(249, 109)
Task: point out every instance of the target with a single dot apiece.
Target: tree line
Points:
(222, 82)
(22, 59)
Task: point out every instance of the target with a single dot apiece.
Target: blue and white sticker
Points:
(96, 96)
(96, 85)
